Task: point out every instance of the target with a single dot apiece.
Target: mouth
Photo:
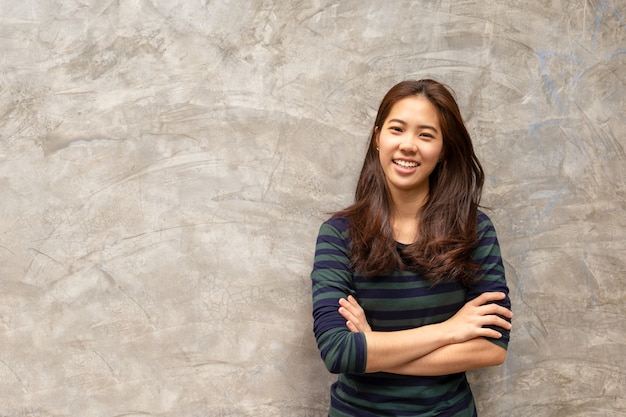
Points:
(405, 164)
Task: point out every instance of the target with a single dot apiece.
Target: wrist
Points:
(445, 334)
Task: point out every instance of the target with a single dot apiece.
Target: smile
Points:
(405, 164)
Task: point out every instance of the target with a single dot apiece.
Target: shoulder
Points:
(485, 231)
(484, 223)
(334, 230)
(338, 224)
(333, 240)
(482, 217)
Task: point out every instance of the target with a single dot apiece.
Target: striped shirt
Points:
(398, 301)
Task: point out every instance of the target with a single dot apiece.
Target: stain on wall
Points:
(165, 165)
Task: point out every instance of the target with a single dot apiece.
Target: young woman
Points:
(408, 283)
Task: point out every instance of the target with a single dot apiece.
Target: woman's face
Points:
(410, 145)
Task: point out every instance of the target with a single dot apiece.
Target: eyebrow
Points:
(429, 127)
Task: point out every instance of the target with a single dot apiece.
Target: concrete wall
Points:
(165, 165)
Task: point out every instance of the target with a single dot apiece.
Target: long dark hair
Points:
(447, 222)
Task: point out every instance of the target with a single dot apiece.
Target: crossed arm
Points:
(456, 345)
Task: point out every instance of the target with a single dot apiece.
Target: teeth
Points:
(405, 164)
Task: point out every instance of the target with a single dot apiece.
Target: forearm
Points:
(387, 350)
(454, 358)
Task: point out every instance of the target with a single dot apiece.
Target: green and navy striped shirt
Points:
(398, 301)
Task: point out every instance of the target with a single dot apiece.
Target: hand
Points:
(354, 315)
(468, 323)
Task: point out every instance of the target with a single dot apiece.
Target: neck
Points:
(404, 218)
(407, 205)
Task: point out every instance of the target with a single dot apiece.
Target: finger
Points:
(492, 320)
(500, 322)
(486, 297)
(355, 314)
(349, 301)
(351, 327)
(493, 296)
(351, 321)
(345, 313)
(354, 303)
(504, 312)
(504, 324)
(491, 333)
(495, 309)
(343, 303)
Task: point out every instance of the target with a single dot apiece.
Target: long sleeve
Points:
(341, 350)
(492, 279)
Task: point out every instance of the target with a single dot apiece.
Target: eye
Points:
(395, 129)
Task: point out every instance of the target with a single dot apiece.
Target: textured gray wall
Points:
(165, 165)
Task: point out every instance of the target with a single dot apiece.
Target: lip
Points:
(402, 167)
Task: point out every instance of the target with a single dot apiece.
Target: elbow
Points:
(344, 353)
(333, 366)
(334, 363)
(339, 361)
(497, 357)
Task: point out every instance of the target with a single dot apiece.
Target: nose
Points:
(409, 143)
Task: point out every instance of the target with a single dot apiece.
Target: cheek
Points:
(437, 152)
(382, 144)
(380, 157)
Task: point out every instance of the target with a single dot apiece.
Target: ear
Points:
(377, 136)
